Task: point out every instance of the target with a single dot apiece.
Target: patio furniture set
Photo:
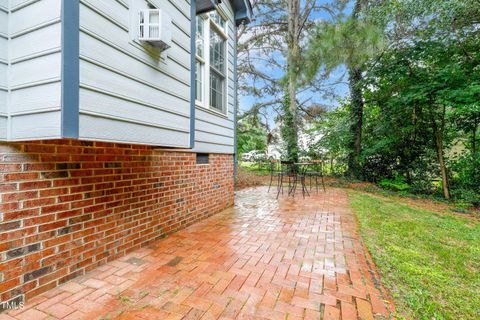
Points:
(290, 174)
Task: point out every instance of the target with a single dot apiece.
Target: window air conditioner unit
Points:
(154, 27)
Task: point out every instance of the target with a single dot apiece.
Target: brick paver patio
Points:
(263, 259)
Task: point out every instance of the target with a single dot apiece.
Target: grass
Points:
(259, 168)
(429, 261)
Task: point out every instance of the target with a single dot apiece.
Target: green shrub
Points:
(466, 196)
(466, 179)
(398, 184)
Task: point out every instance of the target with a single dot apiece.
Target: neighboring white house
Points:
(306, 139)
(275, 149)
(121, 71)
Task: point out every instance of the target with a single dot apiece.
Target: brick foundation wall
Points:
(68, 206)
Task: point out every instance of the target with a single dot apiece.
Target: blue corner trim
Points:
(193, 31)
(235, 105)
(70, 68)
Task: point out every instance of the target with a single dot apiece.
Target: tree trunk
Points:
(356, 112)
(443, 168)
(292, 61)
(438, 136)
(356, 118)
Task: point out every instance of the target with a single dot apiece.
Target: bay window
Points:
(211, 62)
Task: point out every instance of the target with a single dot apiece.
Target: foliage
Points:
(288, 132)
(397, 184)
(269, 55)
(263, 50)
(421, 94)
(413, 116)
(351, 42)
(251, 135)
(261, 168)
(423, 89)
(467, 178)
(332, 145)
(429, 262)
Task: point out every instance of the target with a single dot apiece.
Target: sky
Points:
(340, 90)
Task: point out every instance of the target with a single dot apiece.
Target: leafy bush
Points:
(398, 184)
(466, 197)
(251, 135)
(423, 173)
(466, 179)
(259, 168)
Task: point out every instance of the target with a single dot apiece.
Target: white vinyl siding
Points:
(131, 92)
(128, 92)
(34, 70)
(3, 68)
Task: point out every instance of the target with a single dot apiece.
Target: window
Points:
(199, 65)
(199, 37)
(211, 64)
(217, 70)
(217, 19)
(198, 81)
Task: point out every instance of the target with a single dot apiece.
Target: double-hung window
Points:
(211, 62)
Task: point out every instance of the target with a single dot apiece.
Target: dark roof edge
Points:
(242, 10)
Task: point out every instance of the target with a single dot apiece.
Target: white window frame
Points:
(203, 62)
(209, 24)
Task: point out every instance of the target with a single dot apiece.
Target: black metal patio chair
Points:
(275, 172)
(315, 171)
(287, 171)
(299, 170)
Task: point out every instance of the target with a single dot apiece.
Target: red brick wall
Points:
(69, 206)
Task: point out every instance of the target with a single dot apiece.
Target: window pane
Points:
(199, 40)
(217, 51)
(198, 81)
(217, 19)
(217, 84)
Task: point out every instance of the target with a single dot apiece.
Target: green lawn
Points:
(260, 168)
(430, 262)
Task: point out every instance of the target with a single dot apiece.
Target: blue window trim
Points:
(70, 72)
(235, 105)
(193, 86)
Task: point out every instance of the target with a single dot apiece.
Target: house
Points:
(117, 127)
